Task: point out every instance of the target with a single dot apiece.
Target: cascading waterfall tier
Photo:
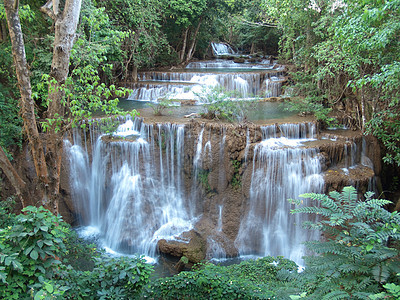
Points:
(221, 49)
(282, 169)
(242, 80)
(227, 185)
(132, 192)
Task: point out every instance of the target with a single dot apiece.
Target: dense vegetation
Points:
(345, 56)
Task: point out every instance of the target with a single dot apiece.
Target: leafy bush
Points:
(253, 279)
(30, 249)
(361, 250)
(111, 278)
(162, 104)
(10, 122)
(35, 248)
(219, 105)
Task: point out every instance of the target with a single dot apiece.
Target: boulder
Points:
(192, 245)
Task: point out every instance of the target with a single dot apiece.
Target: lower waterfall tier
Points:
(210, 190)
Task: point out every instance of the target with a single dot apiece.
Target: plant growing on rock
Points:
(219, 105)
(161, 105)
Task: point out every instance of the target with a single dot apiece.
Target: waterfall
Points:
(222, 49)
(273, 87)
(150, 182)
(282, 169)
(135, 193)
(243, 80)
(219, 224)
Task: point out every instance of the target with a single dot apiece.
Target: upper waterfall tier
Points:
(222, 49)
(244, 80)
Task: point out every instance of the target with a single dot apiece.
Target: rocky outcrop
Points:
(190, 245)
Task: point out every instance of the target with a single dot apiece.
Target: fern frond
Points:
(314, 196)
(381, 272)
(331, 205)
(348, 268)
(377, 203)
(363, 284)
(336, 295)
(310, 210)
(349, 199)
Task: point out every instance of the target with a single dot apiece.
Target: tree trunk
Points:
(26, 101)
(183, 51)
(65, 29)
(12, 175)
(47, 165)
(135, 74)
(192, 46)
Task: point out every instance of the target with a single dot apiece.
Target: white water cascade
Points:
(131, 193)
(222, 49)
(149, 182)
(229, 183)
(242, 80)
(282, 169)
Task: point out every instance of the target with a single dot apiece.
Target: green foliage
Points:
(107, 125)
(385, 126)
(203, 179)
(247, 280)
(162, 104)
(30, 249)
(236, 178)
(347, 53)
(111, 278)
(252, 29)
(34, 249)
(311, 101)
(184, 13)
(361, 249)
(219, 105)
(6, 211)
(392, 291)
(145, 42)
(10, 122)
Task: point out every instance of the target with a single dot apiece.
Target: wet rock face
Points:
(348, 159)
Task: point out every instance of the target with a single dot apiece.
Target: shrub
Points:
(361, 250)
(34, 249)
(30, 249)
(219, 105)
(253, 279)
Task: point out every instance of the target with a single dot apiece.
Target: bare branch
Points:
(56, 5)
(264, 24)
(46, 9)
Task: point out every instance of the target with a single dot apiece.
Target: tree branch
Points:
(46, 9)
(258, 24)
